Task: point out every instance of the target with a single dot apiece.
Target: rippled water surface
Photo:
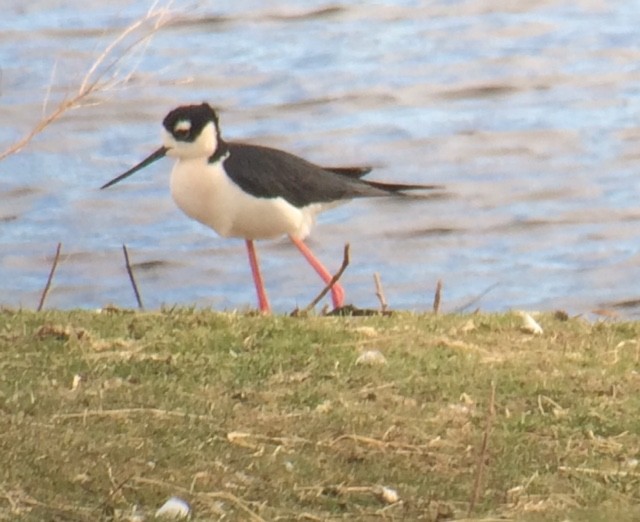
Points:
(527, 111)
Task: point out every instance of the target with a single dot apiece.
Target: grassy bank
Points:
(250, 418)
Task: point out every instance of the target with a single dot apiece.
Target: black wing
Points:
(270, 173)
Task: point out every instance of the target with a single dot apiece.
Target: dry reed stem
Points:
(345, 263)
(94, 80)
(132, 278)
(47, 286)
(437, 297)
(481, 464)
(380, 292)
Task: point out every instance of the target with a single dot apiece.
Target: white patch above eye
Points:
(182, 125)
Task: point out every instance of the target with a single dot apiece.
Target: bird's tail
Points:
(350, 172)
(359, 172)
(400, 187)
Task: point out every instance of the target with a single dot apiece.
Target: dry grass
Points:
(253, 418)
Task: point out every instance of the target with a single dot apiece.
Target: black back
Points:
(270, 173)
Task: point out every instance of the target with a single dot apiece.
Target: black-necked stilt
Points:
(253, 192)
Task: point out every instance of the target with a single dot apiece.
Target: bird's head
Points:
(190, 131)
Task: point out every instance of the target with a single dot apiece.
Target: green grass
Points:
(253, 418)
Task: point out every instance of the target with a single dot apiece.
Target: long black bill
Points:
(160, 153)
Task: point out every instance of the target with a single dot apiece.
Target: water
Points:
(526, 111)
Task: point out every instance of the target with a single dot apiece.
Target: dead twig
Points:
(45, 290)
(345, 263)
(380, 292)
(475, 299)
(132, 278)
(116, 487)
(481, 465)
(437, 297)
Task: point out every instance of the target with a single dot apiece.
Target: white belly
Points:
(206, 194)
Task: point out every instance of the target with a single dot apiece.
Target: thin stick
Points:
(345, 263)
(482, 457)
(116, 489)
(131, 278)
(45, 291)
(437, 297)
(474, 300)
(380, 292)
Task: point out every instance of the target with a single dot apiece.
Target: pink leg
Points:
(263, 301)
(337, 292)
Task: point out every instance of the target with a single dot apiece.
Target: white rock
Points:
(390, 496)
(529, 324)
(77, 379)
(174, 509)
(371, 358)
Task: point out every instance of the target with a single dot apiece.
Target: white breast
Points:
(205, 193)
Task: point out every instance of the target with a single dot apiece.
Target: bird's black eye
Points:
(181, 134)
(182, 130)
